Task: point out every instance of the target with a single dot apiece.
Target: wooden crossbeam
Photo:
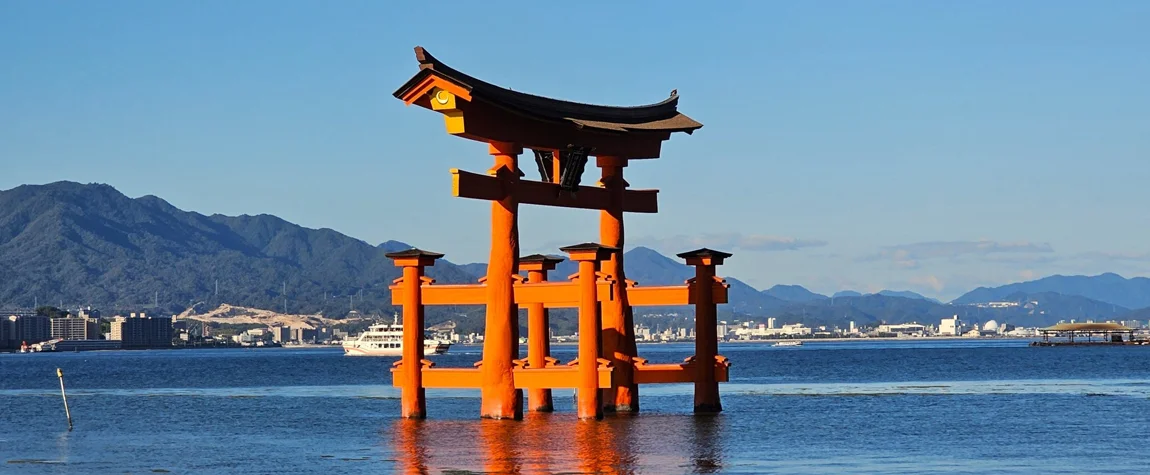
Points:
(559, 294)
(660, 296)
(674, 373)
(550, 294)
(559, 377)
(525, 378)
(492, 188)
(677, 372)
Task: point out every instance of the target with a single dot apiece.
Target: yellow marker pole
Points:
(60, 374)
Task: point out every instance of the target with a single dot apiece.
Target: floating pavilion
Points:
(562, 136)
(1112, 333)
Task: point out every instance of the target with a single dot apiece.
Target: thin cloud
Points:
(927, 281)
(909, 255)
(731, 241)
(1114, 256)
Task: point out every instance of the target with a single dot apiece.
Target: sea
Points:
(917, 406)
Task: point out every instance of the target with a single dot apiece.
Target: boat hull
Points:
(429, 348)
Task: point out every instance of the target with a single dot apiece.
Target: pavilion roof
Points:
(659, 117)
(1078, 327)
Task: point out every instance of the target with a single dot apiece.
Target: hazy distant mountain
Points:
(846, 293)
(1109, 287)
(90, 244)
(906, 294)
(1040, 309)
(793, 293)
(394, 246)
(478, 269)
(1142, 314)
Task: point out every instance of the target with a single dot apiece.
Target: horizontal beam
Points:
(541, 378)
(550, 294)
(670, 295)
(675, 373)
(466, 184)
(555, 378)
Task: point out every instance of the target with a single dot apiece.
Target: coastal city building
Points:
(999, 304)
(950, 326)
(303, 335)
(142, 331)
(762, 331)
(75, 328)
(28, 329)
(281, 334)
(902, 329)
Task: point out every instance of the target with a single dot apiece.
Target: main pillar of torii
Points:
(563, 135)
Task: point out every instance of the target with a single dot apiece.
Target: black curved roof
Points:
(659, 117)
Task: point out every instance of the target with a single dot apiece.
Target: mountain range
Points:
(88, 244)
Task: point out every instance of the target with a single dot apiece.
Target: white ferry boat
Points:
(386, 339)
(788, 343)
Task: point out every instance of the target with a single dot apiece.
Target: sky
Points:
(931, 146)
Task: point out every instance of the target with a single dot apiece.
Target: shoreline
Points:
(808, 340)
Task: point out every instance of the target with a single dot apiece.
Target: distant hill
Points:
(793, 293)
(905, 294)
(90, 244)
(846, 293)
(1040, 309)
(1142, 314)
(1108, 287)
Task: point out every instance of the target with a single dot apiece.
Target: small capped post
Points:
(589, 256)
(413, 403)
(538, 328)
(706, 339)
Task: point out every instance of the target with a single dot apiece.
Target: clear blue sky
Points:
(923, 145)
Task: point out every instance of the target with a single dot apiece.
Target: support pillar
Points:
(413, 402)
(538, 328)
(589, 404)
(706, 338)
(618, 318)
(500, 399)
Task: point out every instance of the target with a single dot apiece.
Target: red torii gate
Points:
(563, 134)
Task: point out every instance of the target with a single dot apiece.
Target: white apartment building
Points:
(950, 326)
(903, 329)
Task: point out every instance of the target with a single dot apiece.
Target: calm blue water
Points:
(874, 407)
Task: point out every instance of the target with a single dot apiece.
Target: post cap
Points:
(413, 253)
(705, 256)
(589, 251)
(414, 258)
(704, 252)
(542, 259)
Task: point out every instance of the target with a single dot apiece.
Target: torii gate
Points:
(563, 134)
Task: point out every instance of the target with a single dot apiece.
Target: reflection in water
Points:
(707, 457)
(63, 446)
(410, 450)
(559, 442)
